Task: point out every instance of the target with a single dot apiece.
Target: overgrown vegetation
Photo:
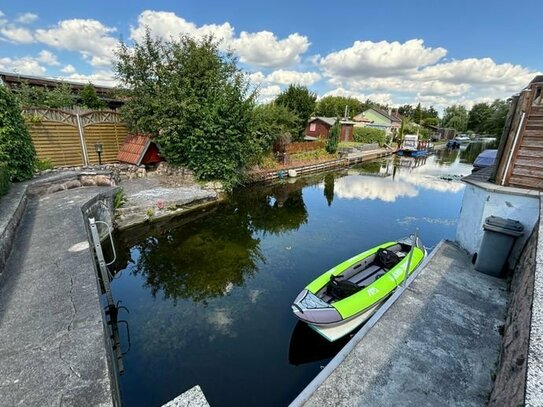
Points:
(270, 123)
(16, 148)
(54, 98)
(119, 199)
(333, 138)
(195, 98)
(313, 155)
(368, 135)
(334, 106)
(4, 179)
(301, 102)
(89, 98)
(43, 165)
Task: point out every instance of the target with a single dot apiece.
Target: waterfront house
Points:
(389, 121)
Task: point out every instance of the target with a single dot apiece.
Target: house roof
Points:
(134, 148)
(390, 117)
(328, 120)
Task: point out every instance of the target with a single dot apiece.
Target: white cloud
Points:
(382, 98)
(380, 59)
(268, 93)
(414, 73)
(265, 49)
(283, 77)
(26, 18)
(47, 58)
(101, 78)
(25, 65)
(17, 34)
(68, 69)
(261, 48)
(477, 71)
(166, 24)
(90, 38)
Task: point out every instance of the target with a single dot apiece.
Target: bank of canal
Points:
(209, 298)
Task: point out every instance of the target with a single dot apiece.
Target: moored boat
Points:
(345, 296)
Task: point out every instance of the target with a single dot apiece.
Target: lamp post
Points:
(98, 149)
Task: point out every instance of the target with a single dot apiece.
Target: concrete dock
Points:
(436, 345)
(53, 351)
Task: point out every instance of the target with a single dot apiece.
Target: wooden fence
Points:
(68, 138)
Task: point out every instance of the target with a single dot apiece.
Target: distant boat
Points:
(345, 296)
(462, 138)
(411, 146)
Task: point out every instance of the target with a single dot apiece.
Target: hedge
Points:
(16, 148)
(4, 179)
(368, 135)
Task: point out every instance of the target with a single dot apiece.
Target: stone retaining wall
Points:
(510, 384)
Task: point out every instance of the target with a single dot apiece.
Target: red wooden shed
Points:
(139, 149)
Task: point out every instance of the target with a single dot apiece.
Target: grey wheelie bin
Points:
(499, 237)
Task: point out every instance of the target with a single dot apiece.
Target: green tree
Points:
(16, 148)
(478, 117)
(89, 98)
(300, 101)
(270, 122)
(195, 98)
(334, 106)
(496, 120)
(333, 138)
(456, 117)
(54, 98)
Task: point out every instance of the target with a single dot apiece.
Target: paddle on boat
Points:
(339, 300)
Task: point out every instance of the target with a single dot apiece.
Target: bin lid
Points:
(501, 225)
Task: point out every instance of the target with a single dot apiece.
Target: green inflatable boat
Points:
(342, 298)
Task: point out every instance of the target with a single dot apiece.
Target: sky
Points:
(395, 52)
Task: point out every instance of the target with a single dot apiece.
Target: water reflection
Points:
(408, 175)
(275, 209)
(210, 295)
(329, 188)
(307, 346)
(207, 258)
(201, 261)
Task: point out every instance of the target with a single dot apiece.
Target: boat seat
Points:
(364, 274)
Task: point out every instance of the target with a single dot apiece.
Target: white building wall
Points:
(479, 203)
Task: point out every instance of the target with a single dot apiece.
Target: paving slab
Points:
(436, 345)
(52, 347)
(152, 198)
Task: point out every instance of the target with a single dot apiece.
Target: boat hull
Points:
(335, 317)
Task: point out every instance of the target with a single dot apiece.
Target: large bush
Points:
(369, 135)
(16, 148)
(195, 99)
(4, 179)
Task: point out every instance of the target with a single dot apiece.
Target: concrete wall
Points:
(479, 203)
(510, 382)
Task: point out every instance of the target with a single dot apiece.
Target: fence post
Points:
(82, 139)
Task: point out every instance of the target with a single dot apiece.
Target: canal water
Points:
(209, 296)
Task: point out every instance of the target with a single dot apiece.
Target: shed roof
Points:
(134, 148)
(328, 120)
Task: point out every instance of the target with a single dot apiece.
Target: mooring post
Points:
(415, 237)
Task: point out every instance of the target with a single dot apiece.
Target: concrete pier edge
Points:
(335, 362)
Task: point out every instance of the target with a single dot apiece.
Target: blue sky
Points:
(394, 52)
